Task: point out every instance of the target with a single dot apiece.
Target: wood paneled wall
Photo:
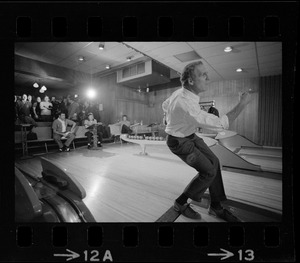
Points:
(118, 100)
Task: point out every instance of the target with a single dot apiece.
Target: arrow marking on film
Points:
(70, 256)
(225, 255)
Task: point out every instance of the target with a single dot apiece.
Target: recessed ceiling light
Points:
(101, 46)
(228, 49)
(35, 85)
(128, 58)
(239, 70)
(81, 58)
(107, 66)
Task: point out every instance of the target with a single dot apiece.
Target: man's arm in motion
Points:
(235, 112)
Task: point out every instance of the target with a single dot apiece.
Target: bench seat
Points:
(44, 135)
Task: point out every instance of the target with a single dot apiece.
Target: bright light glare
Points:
(91, 93)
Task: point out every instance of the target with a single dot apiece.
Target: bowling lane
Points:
(267, 158)
(266, 163)
(123, 186)
(261, 151)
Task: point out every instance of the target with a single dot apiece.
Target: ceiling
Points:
(255, 58)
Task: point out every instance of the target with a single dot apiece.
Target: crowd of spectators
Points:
(29, 109)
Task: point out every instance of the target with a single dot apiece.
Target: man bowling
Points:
(183, 117)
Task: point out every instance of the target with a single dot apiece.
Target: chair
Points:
(115, 130)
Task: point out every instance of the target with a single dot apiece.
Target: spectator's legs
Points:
(56, 138)
(70, 138)
(89, 136)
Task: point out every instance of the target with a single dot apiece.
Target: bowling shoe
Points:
(223, 214)
(186, 211)
(67, 149)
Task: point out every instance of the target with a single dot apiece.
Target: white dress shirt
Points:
(184, 116)
(63, 123)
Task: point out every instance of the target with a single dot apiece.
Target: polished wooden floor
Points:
(123, 186)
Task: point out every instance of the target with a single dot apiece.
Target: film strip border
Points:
(160, 21)
(138, 242)
(130, 28)
(136, 21)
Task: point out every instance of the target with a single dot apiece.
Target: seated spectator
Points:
(46, 107)
(23, 110)
(125, 125)
(59, 127)
(36, 109)
(89, 122)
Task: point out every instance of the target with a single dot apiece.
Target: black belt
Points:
(188, 137)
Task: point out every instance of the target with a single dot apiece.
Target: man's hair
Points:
(188, 72)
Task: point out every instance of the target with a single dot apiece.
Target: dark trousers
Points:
(89, 134)
(125, 129)
(57, 139)
(194, 152)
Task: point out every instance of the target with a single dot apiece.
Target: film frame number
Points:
(93, 256)
(247, 255)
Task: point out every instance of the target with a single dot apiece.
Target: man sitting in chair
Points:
(89, 122)
(59, 127)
